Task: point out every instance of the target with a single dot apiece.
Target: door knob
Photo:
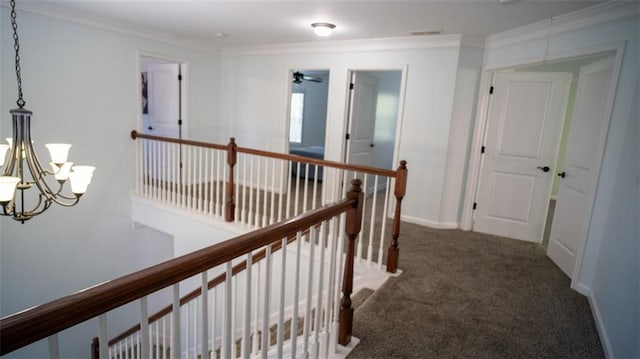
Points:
(544, 169)
(562, 174)
(372, 145)
(150, 128)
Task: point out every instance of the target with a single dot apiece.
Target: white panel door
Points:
(364, 97)
(524, 125)
(581, 165)
(163, 96)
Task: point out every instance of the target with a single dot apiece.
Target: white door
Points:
(523, 131)
(364, 96)
(163, 91)
(581, 165)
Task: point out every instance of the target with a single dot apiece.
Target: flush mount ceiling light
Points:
(323, 29)
(22, 170)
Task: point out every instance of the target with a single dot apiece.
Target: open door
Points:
(521, 143)
(581, 165)
(362, 115)
(163, 99)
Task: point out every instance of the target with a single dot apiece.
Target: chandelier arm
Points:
(23, 216)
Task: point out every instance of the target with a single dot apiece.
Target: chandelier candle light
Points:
(22, 170)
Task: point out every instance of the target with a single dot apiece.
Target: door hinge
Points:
(491, 90)
(475, 205)
(351, 86)
(346, 136)
(179, 77)
(179, 122)
(482, 149)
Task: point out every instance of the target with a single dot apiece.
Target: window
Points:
(297, 116)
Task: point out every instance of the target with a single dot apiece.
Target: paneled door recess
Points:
(581, 164)
(525, 119)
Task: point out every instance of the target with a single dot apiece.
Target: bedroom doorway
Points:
(308, 112)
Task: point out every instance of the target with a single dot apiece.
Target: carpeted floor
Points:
(469, 295)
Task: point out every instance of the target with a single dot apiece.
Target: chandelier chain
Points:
(16, 47)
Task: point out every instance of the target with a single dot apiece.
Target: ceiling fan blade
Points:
(312, 79)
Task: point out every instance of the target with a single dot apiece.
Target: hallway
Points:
(470, 295)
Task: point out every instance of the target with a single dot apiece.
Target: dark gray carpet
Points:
(469, 295)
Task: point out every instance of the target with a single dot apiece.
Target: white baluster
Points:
(214, 322)
(265, 192)
(256, 220)
(250, 213)
(288, 189)
(236, 212)
(246, 327)
(384, 222)
(283, 281)
(307, 313)
(54, 346)
(306, 188)
(282, 189)
(144, 327)
(330, 313)
(315, 187)
(244, 189)
(372, 220)
(297, 194)
(267, 303)
(256, 333)
(175, 323)
(272, 217)
(204, 325)
(226, 312)
(296, 290)
(103, 340)
(319, 340)
(364, 210)
(199, 205)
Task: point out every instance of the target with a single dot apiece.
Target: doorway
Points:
(375, 98)
(572, 170)
(162, 97)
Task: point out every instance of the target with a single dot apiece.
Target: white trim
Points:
(600, 326)
(599, 153)
(428, 223)
(380, 44)
(473, 170)
(79, 18)
(591, 16)
(478, 42)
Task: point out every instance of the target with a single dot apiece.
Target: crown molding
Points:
(591, 16)
(473, 41)
(381, 44)
(45, 9)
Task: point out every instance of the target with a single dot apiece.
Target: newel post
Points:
(401, 187)
(230, 208)
(95, 348)
(352, 228)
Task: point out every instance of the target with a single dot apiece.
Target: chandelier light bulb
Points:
(7, 188)
(3, 152)
(59, 152)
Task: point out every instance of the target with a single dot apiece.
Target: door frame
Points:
(479, 133)
(399, 116)
(184, 86)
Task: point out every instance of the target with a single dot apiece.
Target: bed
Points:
(316, 152)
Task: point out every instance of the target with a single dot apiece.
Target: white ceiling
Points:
(265, 22)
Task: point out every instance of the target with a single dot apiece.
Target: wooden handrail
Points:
(399, 192)
(255, 258)
(31, 325)
(282, 156)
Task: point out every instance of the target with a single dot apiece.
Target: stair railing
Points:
(318, 296)
(255, 188)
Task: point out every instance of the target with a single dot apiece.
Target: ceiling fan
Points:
(298, 77)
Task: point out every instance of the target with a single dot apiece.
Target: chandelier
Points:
(22, 169)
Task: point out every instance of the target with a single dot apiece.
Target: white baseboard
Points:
(427, 223)
(602, 330)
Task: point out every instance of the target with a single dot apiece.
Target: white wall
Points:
(464, 111)
(261, 79)
(82, 85)
(610, 264)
